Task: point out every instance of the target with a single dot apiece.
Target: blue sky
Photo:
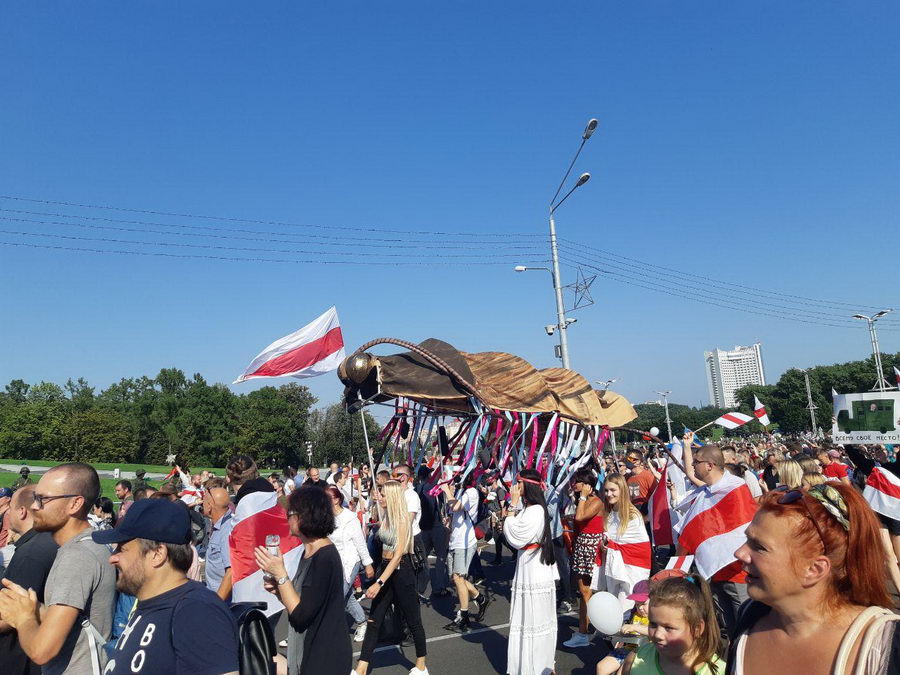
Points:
(751, 143)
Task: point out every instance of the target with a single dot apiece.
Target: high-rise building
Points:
(727, 370)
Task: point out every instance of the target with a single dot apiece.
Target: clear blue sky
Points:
(753, 143)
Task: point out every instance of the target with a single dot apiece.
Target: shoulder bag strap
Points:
(95, 644)
(859, 623)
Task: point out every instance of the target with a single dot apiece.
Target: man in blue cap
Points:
(178, 625)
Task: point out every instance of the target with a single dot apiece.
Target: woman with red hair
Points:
(816, 581)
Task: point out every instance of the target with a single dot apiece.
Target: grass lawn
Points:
(7, 478)
(152, 468)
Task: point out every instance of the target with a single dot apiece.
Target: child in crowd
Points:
(637, 625)
(684, 633)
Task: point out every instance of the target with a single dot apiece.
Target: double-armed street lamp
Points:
(562, 323)
(880, 384)
(665, 395)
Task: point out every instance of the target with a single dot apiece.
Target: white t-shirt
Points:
(462, 529)
(414, 506)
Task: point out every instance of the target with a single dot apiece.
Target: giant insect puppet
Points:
(475, 412)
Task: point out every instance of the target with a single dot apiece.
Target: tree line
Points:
(143, 420)
(786, 401)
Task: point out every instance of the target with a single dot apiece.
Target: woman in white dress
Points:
(532, 612)
(625, 548)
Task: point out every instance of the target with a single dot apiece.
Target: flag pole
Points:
(708, 424)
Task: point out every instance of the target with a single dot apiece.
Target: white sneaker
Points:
(283, 644)
(577, 640)
(416, 671)
(360, 633)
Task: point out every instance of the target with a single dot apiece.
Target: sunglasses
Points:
(830, 499)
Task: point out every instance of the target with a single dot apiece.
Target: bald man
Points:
(217, 507)
(29, 567)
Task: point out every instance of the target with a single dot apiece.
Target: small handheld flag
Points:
(680, 562)
(897, 377)
(733, 420)
(759, 410)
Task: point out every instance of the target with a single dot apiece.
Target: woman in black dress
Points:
(318, 642)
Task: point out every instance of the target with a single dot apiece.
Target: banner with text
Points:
(873, 417)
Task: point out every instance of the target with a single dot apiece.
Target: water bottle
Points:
(273, 546)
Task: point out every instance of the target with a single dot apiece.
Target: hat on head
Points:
(5, 492)
(834, 454)
(668, 574)
(154, 519)
(24, 469)
(140, 473)
(641, 591)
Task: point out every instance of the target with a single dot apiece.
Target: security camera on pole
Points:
(562, 323)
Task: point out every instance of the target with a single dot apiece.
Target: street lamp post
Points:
(880, 384)
(665, 395)
(562, 323)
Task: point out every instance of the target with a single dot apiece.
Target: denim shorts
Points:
(460, 559)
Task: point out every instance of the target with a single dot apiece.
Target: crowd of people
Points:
(773, 550)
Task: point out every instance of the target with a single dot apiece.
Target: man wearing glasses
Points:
(81, 583)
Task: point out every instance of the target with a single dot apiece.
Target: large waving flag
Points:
(714, 521)
(259, 514)
(315, 349)
(882, 491)
(733, 420)
(759, 411)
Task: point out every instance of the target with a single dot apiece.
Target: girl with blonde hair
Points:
(625, 545)
(395, 580)
(790, 473)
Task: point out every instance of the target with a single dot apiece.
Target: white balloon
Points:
(605, 612)
(654, 431)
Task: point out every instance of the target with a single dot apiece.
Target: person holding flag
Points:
(712, 527)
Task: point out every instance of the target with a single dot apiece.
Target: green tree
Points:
(338, 436)
(97, 435)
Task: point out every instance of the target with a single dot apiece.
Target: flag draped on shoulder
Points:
(733, 420)
(257, 515)
(759, 411)
(628, 557)
(715, 518)
(315, 349)
(882, 491)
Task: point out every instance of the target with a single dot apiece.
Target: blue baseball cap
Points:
(154, 519)
(5, 492)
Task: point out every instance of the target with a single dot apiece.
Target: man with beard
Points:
(35, 553)
(174, 616)
(81, 583)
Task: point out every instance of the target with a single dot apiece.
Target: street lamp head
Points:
(520, 268)
(882, 313)
(589, 129)
(860, 316)
(585, 177)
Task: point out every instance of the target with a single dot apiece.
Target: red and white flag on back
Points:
(759, 410)
(315, 349)
(714, 521)
(733, 420)
(257, 515)
(882, 491)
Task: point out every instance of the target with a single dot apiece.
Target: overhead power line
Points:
(312, 261)
(711, 291)
(715, 280)
(259, 222)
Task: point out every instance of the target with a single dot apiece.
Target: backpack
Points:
(256, 641)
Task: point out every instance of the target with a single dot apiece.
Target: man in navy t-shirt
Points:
(178, 626)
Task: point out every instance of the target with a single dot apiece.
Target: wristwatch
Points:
(282, 581)
(380, 582)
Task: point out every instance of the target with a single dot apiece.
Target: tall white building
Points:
(727, 370)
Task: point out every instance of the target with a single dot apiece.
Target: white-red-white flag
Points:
(714, 521)
(882, 491)
(315, 349)
(759, 410)
(680, 562)
(733, 420)
(257, 515)
(897, 377)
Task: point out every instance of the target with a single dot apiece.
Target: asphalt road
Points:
(482, 650)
